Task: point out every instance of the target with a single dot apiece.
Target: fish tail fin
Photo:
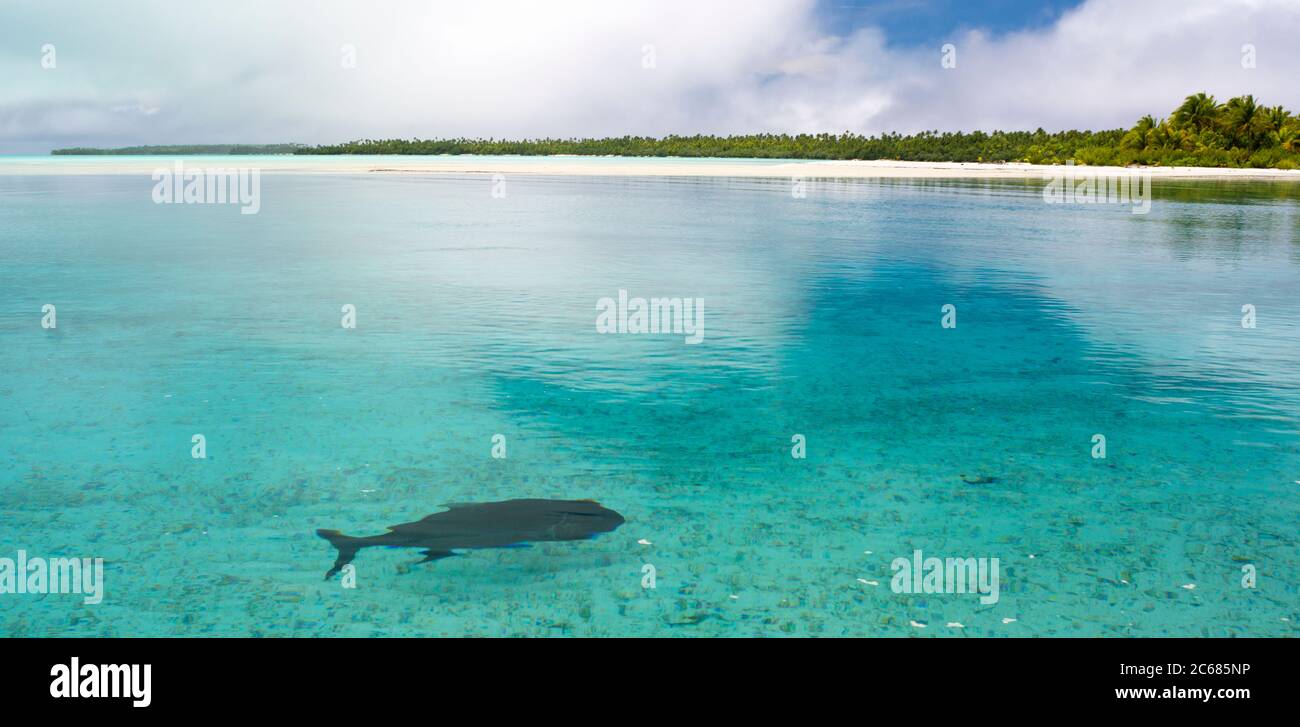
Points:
(347, 547)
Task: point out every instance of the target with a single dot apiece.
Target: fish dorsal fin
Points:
(456, 505)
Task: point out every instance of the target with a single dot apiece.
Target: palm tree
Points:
(1140, 136)
(1197, 112)
(1165, 136)
(1289, 136)
(1245, 121)
(1145, 126)
(1277, 117)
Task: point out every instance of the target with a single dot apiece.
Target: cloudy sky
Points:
(256, 71)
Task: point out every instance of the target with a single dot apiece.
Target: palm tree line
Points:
(1241, 129)
(1200, 132)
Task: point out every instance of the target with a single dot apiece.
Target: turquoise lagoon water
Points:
(476, 317)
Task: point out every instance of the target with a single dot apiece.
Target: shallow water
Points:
(476, 317)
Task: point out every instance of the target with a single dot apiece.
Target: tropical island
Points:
(1201, 132)
(186, 149)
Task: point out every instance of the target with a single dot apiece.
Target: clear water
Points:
(28, 164)
(476, 317)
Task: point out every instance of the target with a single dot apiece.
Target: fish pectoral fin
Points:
(432, 555)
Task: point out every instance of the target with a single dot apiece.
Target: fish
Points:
(472, 526)
(979, 480)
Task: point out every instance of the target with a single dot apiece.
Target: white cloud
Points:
(155, 71)
(1107, 63)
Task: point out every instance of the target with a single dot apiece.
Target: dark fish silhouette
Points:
(467, 526)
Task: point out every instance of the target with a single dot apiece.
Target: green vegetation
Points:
(926, 146)
(191, 149)
(1201, 132)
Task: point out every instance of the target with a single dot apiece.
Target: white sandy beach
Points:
(600, 166)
